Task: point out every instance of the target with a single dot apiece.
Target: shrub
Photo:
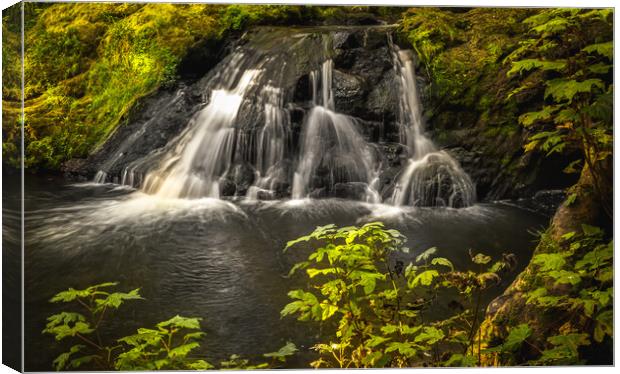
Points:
(378, 307)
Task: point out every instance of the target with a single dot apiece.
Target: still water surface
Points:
(219, 260)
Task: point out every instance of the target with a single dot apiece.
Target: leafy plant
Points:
(167, 346)
(377, 306)
(572, 284)
(84, 326)
(571, 50)
(154, 349)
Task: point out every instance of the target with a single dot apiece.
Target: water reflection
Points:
(216, 259)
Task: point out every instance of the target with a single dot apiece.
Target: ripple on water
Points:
(137, 209)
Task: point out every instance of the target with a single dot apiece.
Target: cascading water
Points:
(271, 146)
(206, 150)
(431, 177)
(333, 154)
(241, 140)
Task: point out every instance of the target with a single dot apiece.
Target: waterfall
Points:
(431, 177)
(264, 124)
(333, 154)
(206, 151)
(271, 146)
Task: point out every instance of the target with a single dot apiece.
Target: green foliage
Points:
(574, 285)
(377, 307)
(105, 58)
(571, 51)
(167, 346)
(87, 65)
(155, 349)
(238, 17)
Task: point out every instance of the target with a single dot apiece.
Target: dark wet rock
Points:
(350, 190)
(387, 181)
(349, 91)
(382, 101)
(76, 169)
(227, 187)
(242, 176)
(365, 88)
(318, 193)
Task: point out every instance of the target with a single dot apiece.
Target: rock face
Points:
(364, 87)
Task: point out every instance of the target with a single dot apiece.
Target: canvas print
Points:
(233, 186)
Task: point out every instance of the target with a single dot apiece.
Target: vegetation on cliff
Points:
(88, 65)
(488, 68)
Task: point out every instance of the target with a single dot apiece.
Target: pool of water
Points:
(219, 260)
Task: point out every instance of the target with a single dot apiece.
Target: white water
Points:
(332, 150)
(271, 145)
(431, 177)
(204, 152)
(244, 131)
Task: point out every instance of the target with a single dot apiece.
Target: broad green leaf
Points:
(114, 300)
(425, 278)
(404, 349)
(63, 331)
(182, 350)
(481, 259)
(376, 340)
(430, 335)
(390, 328)
(69, 295)
(549, 261)
(193, 335)
(565, 277)
(328, 310)
(199, 365)
(529, 64)
(143, 337)
(517, 336)
(287, 350)
(604, 49)
(63, 318)
(408, 330)
(600, 68)
(76, 363)
(314, 272)
(569, 235)
(603, 297)
(424, 256)
(604, 325)
(181, 322)
(528, 119)
(572, 341)
(460, 360)
(562, 89)
(553, 26)
(61, 361)
(596, 258)
(591, 230)
(72, 294)
(537, 293)
(442, 261)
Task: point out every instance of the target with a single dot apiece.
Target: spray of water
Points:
(431, 177)
(333, 153)
(205, 151)
(243, 132)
